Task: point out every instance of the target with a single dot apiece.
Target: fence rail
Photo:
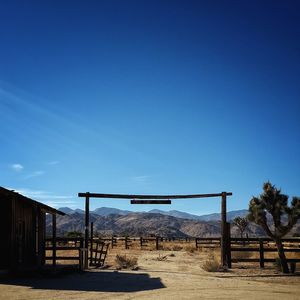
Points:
(250, 245)
(66, 244)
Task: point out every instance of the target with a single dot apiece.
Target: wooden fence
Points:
(66, 244)
(144, 242)
(249, 246)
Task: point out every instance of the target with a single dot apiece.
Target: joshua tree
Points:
(274, 203)
(241, 224)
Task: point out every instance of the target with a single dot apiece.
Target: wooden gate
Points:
(99, 251)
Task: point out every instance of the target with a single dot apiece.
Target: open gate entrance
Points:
(154, 199)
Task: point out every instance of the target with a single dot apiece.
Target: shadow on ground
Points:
(102, 281)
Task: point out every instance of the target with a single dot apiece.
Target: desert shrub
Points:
(212, 264)
(177, 248)
(172, 255)
(190, 248)
(166, 248)
(162, 257)
(277, 264)
(124, 262)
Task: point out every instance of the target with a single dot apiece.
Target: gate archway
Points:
(160, 199)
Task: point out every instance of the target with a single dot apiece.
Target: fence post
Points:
(224, 237)
(196, 242)
(54, 240)
(261, 253)
(156, 243)
(112, 242)
(126, 245)
(92, 238)
(141, 242)
(228, 233)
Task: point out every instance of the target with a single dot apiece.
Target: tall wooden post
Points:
(54, 240)
(261, 253)
(157, 243)
(87, 220)
(92, 240)
(223, 232)
(228, 248)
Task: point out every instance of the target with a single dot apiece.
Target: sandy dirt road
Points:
(175, 277)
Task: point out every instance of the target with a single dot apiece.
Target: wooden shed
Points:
(22, 231)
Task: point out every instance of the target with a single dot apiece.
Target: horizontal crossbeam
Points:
(147, 197)
(150, 201)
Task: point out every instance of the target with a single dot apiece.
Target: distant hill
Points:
(106, 211)
(230, 215)
(151, 223)
(136, 224)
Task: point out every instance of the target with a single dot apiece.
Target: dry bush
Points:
(212, 264)
(124, 262)
(162, 257)
(190, 248)
(177, 248)
(277, 264)
(166, 248)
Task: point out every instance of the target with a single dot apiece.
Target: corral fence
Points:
(239, 250)
(65, 249)
(143, 242)
(250, 246)
(259, 247)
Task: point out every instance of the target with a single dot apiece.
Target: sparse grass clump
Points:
(190, 249)
(177, 248)
(212, 264)
(124, 262)
(277, 264)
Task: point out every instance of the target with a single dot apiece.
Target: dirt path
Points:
(175, 277)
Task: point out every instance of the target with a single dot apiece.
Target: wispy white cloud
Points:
(52, 163)
(47, 197)
(17, 167)
(57, 204)
(34, 174)
(142, 178)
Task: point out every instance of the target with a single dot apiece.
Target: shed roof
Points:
(46, 208)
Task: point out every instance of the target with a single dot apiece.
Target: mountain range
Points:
(111, 221)
(106, 211)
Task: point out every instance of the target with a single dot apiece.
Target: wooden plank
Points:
(54, 239)
(265, 239)
(256, 249)
(224, 236)
(86, 235)
(248, 249)
(91, 239)
(62, 257)
(208, 239)
(261, 254)
(126, 196)
(64, 239)
(228, 246)
(288, 260)
(63, 248)
(236, 260)
(150, 201)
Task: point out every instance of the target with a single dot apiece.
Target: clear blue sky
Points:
(149, 97)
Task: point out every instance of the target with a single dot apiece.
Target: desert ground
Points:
(167, 274)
